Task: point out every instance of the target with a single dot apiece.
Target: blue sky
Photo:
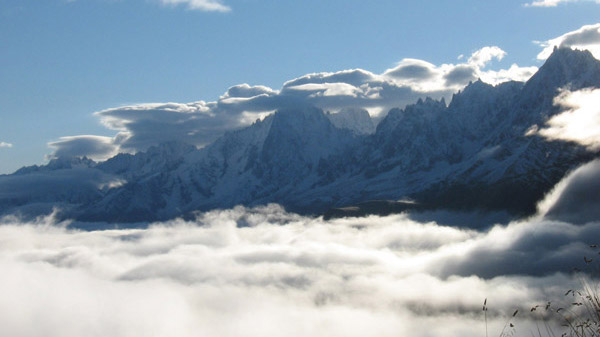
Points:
(64, 60)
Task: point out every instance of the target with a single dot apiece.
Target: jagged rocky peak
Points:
(172, 148)
(566, 67)
(305, 126)
(298, 139)
(164, 154)
(426, 106)
(59, 163)
(479, 105)
(474, 91)
(306, 123)
(572, 62)
(425, 109)
(479, 91)
(354, 119)
(389, 122)
(512, 87)
(68, 162)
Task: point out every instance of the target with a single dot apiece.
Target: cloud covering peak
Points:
(199, 123)
(586, 37)
(93, 147)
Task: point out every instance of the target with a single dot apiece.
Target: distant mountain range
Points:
(472, 154)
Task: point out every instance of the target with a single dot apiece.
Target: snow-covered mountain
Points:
(356, 120)
(471, 154)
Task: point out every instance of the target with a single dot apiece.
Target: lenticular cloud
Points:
(199, 123)
(266, 272)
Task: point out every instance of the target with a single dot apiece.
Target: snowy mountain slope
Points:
(513, 170)
(355, 120)
(267, 162)
(471, 154)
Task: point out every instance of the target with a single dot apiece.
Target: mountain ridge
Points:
(469, 154)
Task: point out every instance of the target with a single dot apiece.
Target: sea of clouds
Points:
(266, 272)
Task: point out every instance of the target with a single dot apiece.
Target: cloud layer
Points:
(580, 122)
(5, 144)
(279, 275)
(199, 123)
(576, 198)
(266, 272)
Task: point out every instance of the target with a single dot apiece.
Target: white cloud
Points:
(575, 198)
(280, 275)
(427, 77)
(553, 3)
(200, 5)
(328, 89)
(199, 123)
(586, 37)
(143, 125)
(547, 3)
(514, 73)
(5, 144)
(580, 122)
(203, 5)
(266, 272)
(94, 147)
(484, 55)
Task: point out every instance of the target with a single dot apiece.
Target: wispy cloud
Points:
(554, 3)
(203, 5)
(5, 144)
(586, 37)
(199, 5)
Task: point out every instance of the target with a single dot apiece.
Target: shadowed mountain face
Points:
(473, 154)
